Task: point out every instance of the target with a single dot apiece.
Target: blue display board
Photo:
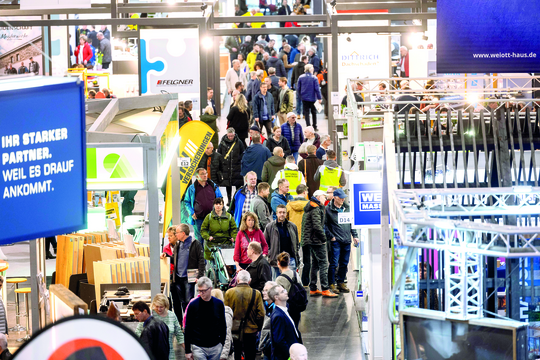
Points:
(365, 195)
(479, 36)
(42, 154)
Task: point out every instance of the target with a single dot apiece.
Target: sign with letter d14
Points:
(366, 198)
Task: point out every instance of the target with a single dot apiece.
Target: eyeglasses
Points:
(201, 291)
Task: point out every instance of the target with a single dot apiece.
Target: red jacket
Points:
(405, 62)
(241, 245)
(87, 53)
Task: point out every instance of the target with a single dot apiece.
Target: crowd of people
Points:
(93, 47)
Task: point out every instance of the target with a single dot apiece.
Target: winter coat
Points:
(239, 298)
(298, 71)
(295, 211)
(275, 95)
(254, 158)
(251, 58)
(231, 78)
(87, 53)
(189, 199)
(316, 62)
(286, 105)
(258, 106)
(261, 272)
(271, 144)
(233, 42)
(309, 167)
(313, 224)
(241, 244)
(278, 65)
(316, 142)
(331, 164)
(226, 353)
(237, 204)
(271, 234)
(239, 121)
(252, 89)
(221, 228)
(298, 135)
(183, 121)
(155, 337)
(210, 120)
(105, 49)
(279, 199)
(271, 167)
(232, 160)
(261, 208)
(275, 81)
(216, 166)
(342, 232)
(308, 86)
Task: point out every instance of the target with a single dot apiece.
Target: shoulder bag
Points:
(238, 325)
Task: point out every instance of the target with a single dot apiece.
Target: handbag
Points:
(237, 329)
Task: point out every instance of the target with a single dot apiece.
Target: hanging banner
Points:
(474, 36)
(365, 196)
(17, 45)
(169, 61)
(194, 136)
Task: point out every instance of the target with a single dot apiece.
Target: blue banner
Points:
(367, 204)
(479, 36)
(42, 152)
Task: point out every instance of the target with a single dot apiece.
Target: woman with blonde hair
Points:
(210, 119)
(239, 116)
(227, 352)
(160, 309)
(249, 231)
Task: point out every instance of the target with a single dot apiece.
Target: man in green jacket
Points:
(314, 246)
(285, 99)
(273, 165)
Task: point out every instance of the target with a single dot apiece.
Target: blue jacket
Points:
(189, 199)
(333, 229)
(278, 199)
(254, 158)
(316, 62)
(258, 106)
(253, 87)
(298, 136)
(237, 204)
(292, 55)
(308, 87)
(283, 334)
(278, 65)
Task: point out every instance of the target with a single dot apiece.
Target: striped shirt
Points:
(174, 329)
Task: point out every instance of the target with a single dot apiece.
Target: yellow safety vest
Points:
(294, 177)
(329, 177)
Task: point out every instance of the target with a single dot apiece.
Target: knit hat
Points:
(255, 128)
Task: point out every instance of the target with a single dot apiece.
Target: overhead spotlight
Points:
(333, 3)
(204, 6)
(348, 39)
(424, 37)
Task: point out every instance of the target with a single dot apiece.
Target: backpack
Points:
(298, 299)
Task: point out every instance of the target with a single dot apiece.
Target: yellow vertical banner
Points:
(194, 137)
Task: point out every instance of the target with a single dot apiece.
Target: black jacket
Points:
(182, 121)
(313, 223)
(283, 143)
(308, 167)
(298, 70)
(342, 232)
(195, 260)
(6, 355)
(283, 334)
(239, 121)
(260, 272)
(232, 161)
(275, 94)
(216, 166)
(155, 337)
(271, 234)
(284, 11)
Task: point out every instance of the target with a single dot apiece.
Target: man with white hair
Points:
(326, 141)
(314, 60)
(403, 64)
(105, 49)
(248, 311)
(311, 137)
(233, 76)
(308, 87)
(206, 328)
(298, 352)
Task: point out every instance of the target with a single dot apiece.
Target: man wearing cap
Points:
(255, 130)
(313, 242)
(339, 236)
(314, 60)
(33, 67)
(292, 131)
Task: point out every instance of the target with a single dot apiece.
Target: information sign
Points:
(366, 190)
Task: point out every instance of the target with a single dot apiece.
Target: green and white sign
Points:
(115, 168)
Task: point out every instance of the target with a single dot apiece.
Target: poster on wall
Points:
(505, 40)
(18, 44)
(169, 61)
(362, 56)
